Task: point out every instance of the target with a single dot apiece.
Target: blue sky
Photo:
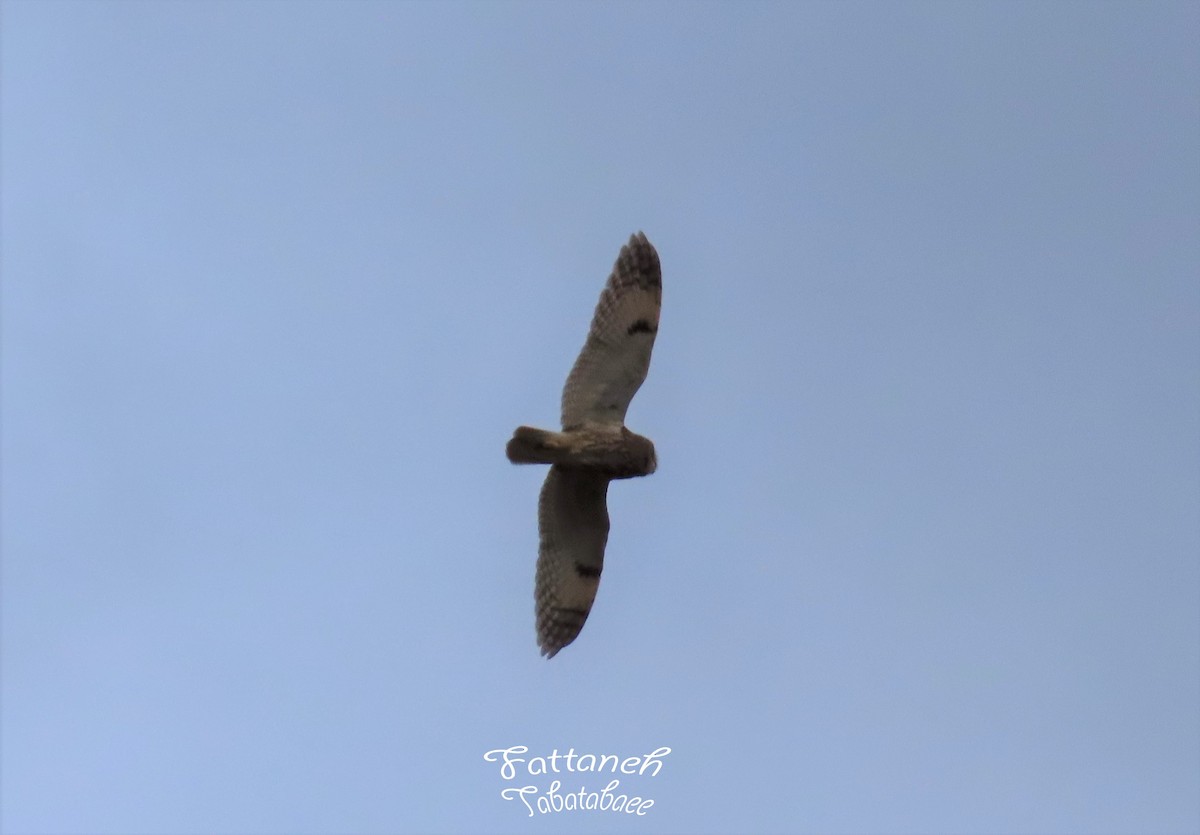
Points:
(922, 553)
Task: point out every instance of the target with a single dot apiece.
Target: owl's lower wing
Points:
(573, 530)
(614, 360)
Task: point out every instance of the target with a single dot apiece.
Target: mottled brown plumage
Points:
(594, 446)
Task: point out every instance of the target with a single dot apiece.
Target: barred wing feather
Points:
(573, 530)
(614, 360)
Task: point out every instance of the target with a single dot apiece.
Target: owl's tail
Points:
(535, 446)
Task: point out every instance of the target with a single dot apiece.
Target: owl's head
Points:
(643, 455)
(636, 456)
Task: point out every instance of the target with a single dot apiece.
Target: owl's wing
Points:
(573, 529)
(616, 356)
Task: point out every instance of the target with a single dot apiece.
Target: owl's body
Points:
(594, 446)
(614, 452)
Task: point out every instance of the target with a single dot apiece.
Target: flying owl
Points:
(594, 447)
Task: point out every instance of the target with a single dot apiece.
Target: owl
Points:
(594, 447)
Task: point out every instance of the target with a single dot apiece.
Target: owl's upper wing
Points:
(573, 529)
(616, 356)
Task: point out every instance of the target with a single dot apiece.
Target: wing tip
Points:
(639, 261)
(638, 242)
(556, 632)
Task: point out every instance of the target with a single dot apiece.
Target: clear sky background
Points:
(279, 279)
